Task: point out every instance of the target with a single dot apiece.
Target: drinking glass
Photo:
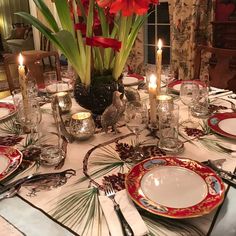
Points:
(51, 151)
(166, 76)
(136, 119)
(168, 115)
(189, 92)
(200, 108)
(29, 116)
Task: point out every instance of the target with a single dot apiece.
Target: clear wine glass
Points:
(189, 92)
(136, 119)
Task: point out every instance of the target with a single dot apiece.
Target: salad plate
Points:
(132, 80)
(10, 160)
(223, 124)
(174, 187)
(175, 85)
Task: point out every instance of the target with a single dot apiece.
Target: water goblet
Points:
(189, 92)
(136, 119)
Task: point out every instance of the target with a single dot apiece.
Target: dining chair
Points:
(32, 62)
(220, 64)
(45, 45)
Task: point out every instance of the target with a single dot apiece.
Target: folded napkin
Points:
(129, 211)
(220, 94)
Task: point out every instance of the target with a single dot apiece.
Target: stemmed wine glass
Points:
(136, 119)
(189, 92)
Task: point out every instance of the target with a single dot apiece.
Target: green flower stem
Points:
(81, 6)
(99, 62)
(118, 56)
(88, 49)
(79, 38)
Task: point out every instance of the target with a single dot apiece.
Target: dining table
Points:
(71, 204)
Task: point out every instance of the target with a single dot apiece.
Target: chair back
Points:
(32, 62)
(219, 63)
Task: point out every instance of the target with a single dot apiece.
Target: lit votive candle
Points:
(63, 100)
(152, 89)
(82, 125)
(164, 102)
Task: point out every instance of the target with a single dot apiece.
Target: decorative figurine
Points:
(113, 113)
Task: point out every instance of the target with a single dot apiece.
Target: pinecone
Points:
(194, 132)
(31, 154)
(126, 151)
(10, 140)
(117, 181)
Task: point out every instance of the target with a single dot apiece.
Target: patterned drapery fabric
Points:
(190, 25)
(7, 16)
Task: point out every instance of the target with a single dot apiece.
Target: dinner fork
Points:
(110, 192)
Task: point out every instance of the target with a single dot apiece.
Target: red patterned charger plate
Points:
(10, 159)
(6, 110)
(223, 124)
(174, 187)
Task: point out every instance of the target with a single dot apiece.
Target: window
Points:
(157, 26)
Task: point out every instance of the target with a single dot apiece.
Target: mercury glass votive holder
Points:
(165, 101)
(64, 101)
(82, 125)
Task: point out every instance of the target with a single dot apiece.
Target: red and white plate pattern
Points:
(223, 124)
(176, 84)
(174, 187)
(6, 110)
(10, 159)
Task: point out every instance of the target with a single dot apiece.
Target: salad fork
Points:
(110, 193)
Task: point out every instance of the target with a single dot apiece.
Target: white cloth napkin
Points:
(129, 211)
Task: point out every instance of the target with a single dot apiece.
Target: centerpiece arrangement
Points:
(96, 36)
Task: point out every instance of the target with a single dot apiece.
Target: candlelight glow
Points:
(21, 60)
(81, 115)
(159, 44)
(153, 80)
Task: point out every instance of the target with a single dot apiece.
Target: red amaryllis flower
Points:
(97, 41)
(127, 7)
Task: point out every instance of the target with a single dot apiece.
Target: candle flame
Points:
(21, 59)
(159, 44)
(153, 79)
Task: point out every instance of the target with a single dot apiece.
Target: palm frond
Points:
(104, 169)
(10, 126)
(212, 145)
(31, 139)
(80, 208)
(164, 227)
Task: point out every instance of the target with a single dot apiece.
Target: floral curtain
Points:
(190, 25)
(7, 16)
